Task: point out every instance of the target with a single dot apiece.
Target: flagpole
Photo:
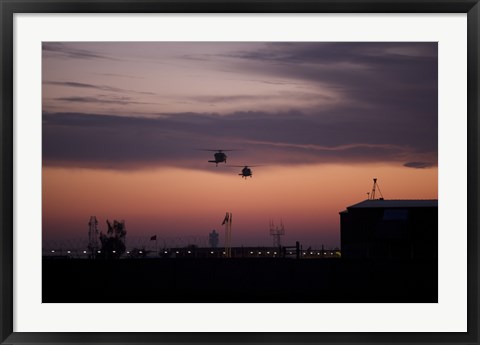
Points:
(231, 220)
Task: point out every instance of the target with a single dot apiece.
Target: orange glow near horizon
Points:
(178, 202)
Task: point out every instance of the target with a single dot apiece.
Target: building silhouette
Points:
(390, 229)
(213, 239)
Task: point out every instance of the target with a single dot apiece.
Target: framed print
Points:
(245, 172)
(157, 255)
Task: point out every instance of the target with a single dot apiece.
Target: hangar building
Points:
(390, 229)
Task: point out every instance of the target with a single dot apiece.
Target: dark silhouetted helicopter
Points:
(246, 171)
(219, 155)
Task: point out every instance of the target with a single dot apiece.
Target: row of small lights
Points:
(99, 251)
(177, 252)
(189, 252)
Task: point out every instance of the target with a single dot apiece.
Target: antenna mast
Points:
(374, 189)
(277, 233)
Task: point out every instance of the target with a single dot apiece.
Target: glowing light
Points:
(53, 251)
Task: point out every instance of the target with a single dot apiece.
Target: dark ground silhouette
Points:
(239, 280)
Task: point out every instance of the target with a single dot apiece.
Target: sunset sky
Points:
(124, 125)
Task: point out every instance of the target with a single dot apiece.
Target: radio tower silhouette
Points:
(277, 232)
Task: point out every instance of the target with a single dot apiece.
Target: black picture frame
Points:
(10, 7)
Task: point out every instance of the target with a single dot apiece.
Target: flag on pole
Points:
(153, 238)
(225, 219)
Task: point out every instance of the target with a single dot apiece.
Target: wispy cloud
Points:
(354, 53)
(297, 96)
(96, 87)
(77, 139)
(101, 100)
(359, 102)
(66, 51)
(381, 75)
(116, 75)
(273, 82)
(419, 165)
(331, 148)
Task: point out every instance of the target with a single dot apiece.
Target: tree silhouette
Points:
(113, 243)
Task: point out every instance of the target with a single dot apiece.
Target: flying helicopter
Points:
(246, 171)
(219, 156)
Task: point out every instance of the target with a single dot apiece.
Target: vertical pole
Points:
(228, 245)
(230, 235)
(297, 247)
(226, 233)
(373, 189)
